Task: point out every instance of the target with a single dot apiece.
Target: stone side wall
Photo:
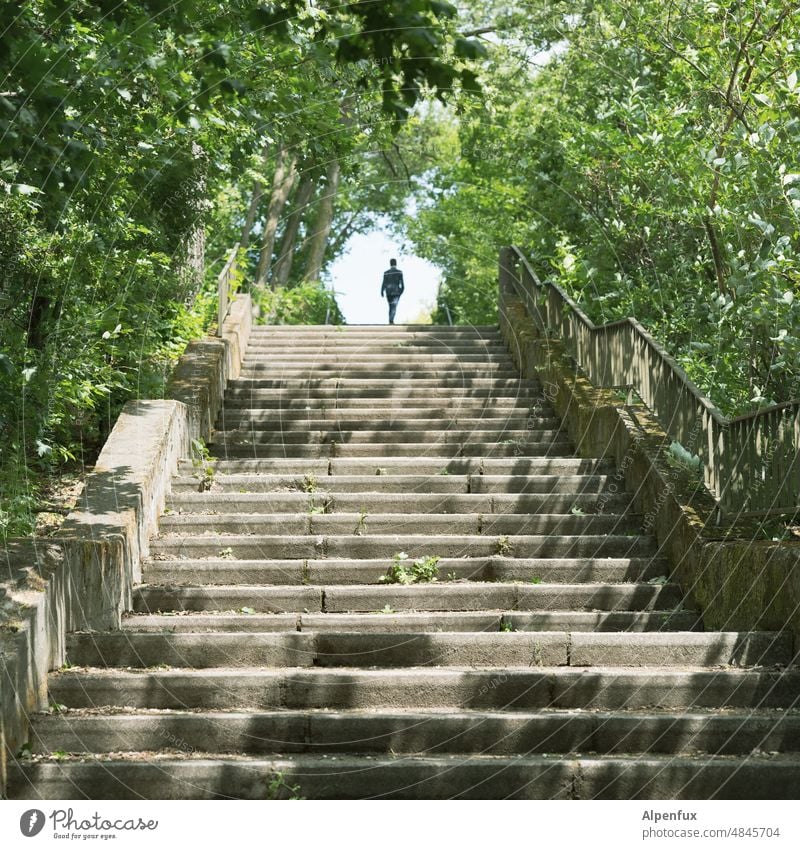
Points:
(82, 578)
(737, 578)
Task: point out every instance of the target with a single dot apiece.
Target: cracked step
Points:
(368, 524)
(598, 688)
(261, 547)
(484, 620)
(369, 571)
(420, 597)
(546, 648)
(427, 777)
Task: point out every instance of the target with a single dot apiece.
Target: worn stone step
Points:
(377, 345)
(366, 523)
(473, 405)
(519, 648)
(544, 467)
(321, 370)
(348, 571)
(389, 436)
(395, 502)
(413, 393)
(398, 449)
(433, 596)
(258, 422)
(412, 340)
(400, 415)
(405, 622)
(260, 547)
(423, 331)
(513, 688)
(398, 357)
(301, 385)
(423, 777)
(429, 732)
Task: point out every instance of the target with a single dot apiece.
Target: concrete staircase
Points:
(265, 656)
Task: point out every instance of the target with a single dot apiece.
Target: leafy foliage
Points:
(422, 570)
(647, 162)
(128, 136)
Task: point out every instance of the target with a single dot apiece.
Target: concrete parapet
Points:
(83, 577)
(738, 579)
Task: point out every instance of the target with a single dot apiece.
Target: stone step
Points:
(400, 415)
(395, 502)
(399, 358)
(397, 393)
(432, 732)
(440, 595)
(358, 572)
(370, 524)
(377, 355)
(255, 369)
(539, 466)
(386, 437)
(422, 777)
(379, 330)
(301, 384)
(334, 424)
(518, 648)
(509, 688)
(260, 547)
(322, 483)
(377, 341)
(468, 405)
(401, 449)
(460, 621)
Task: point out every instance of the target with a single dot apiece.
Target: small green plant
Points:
(361, 527)
(247, 610)
(226, 553)
(58, 754)
(423, 570)
(504, 547)
(279, 788)
(387, 609)
(451, 576)
(536, 580)
(309, 483)
(577, 511)
(659, 581)
(506, 626)
(203, 464)
(55, 707)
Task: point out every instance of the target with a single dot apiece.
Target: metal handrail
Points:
(224, 279)
(751, 463)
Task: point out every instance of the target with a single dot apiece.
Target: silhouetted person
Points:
(393, 287)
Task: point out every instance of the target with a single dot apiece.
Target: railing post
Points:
(224, 285)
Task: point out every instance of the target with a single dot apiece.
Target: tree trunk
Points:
(255, 200)
(283, 267)
(282, 183)
(192, 254)
(322, 224)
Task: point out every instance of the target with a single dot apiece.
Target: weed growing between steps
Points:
(279, 788)
(203, 464)
(423, 570)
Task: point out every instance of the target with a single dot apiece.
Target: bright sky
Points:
(357, 275)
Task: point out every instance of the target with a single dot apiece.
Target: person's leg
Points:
(392, 309)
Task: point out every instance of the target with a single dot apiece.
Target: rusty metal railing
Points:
(751, 463)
